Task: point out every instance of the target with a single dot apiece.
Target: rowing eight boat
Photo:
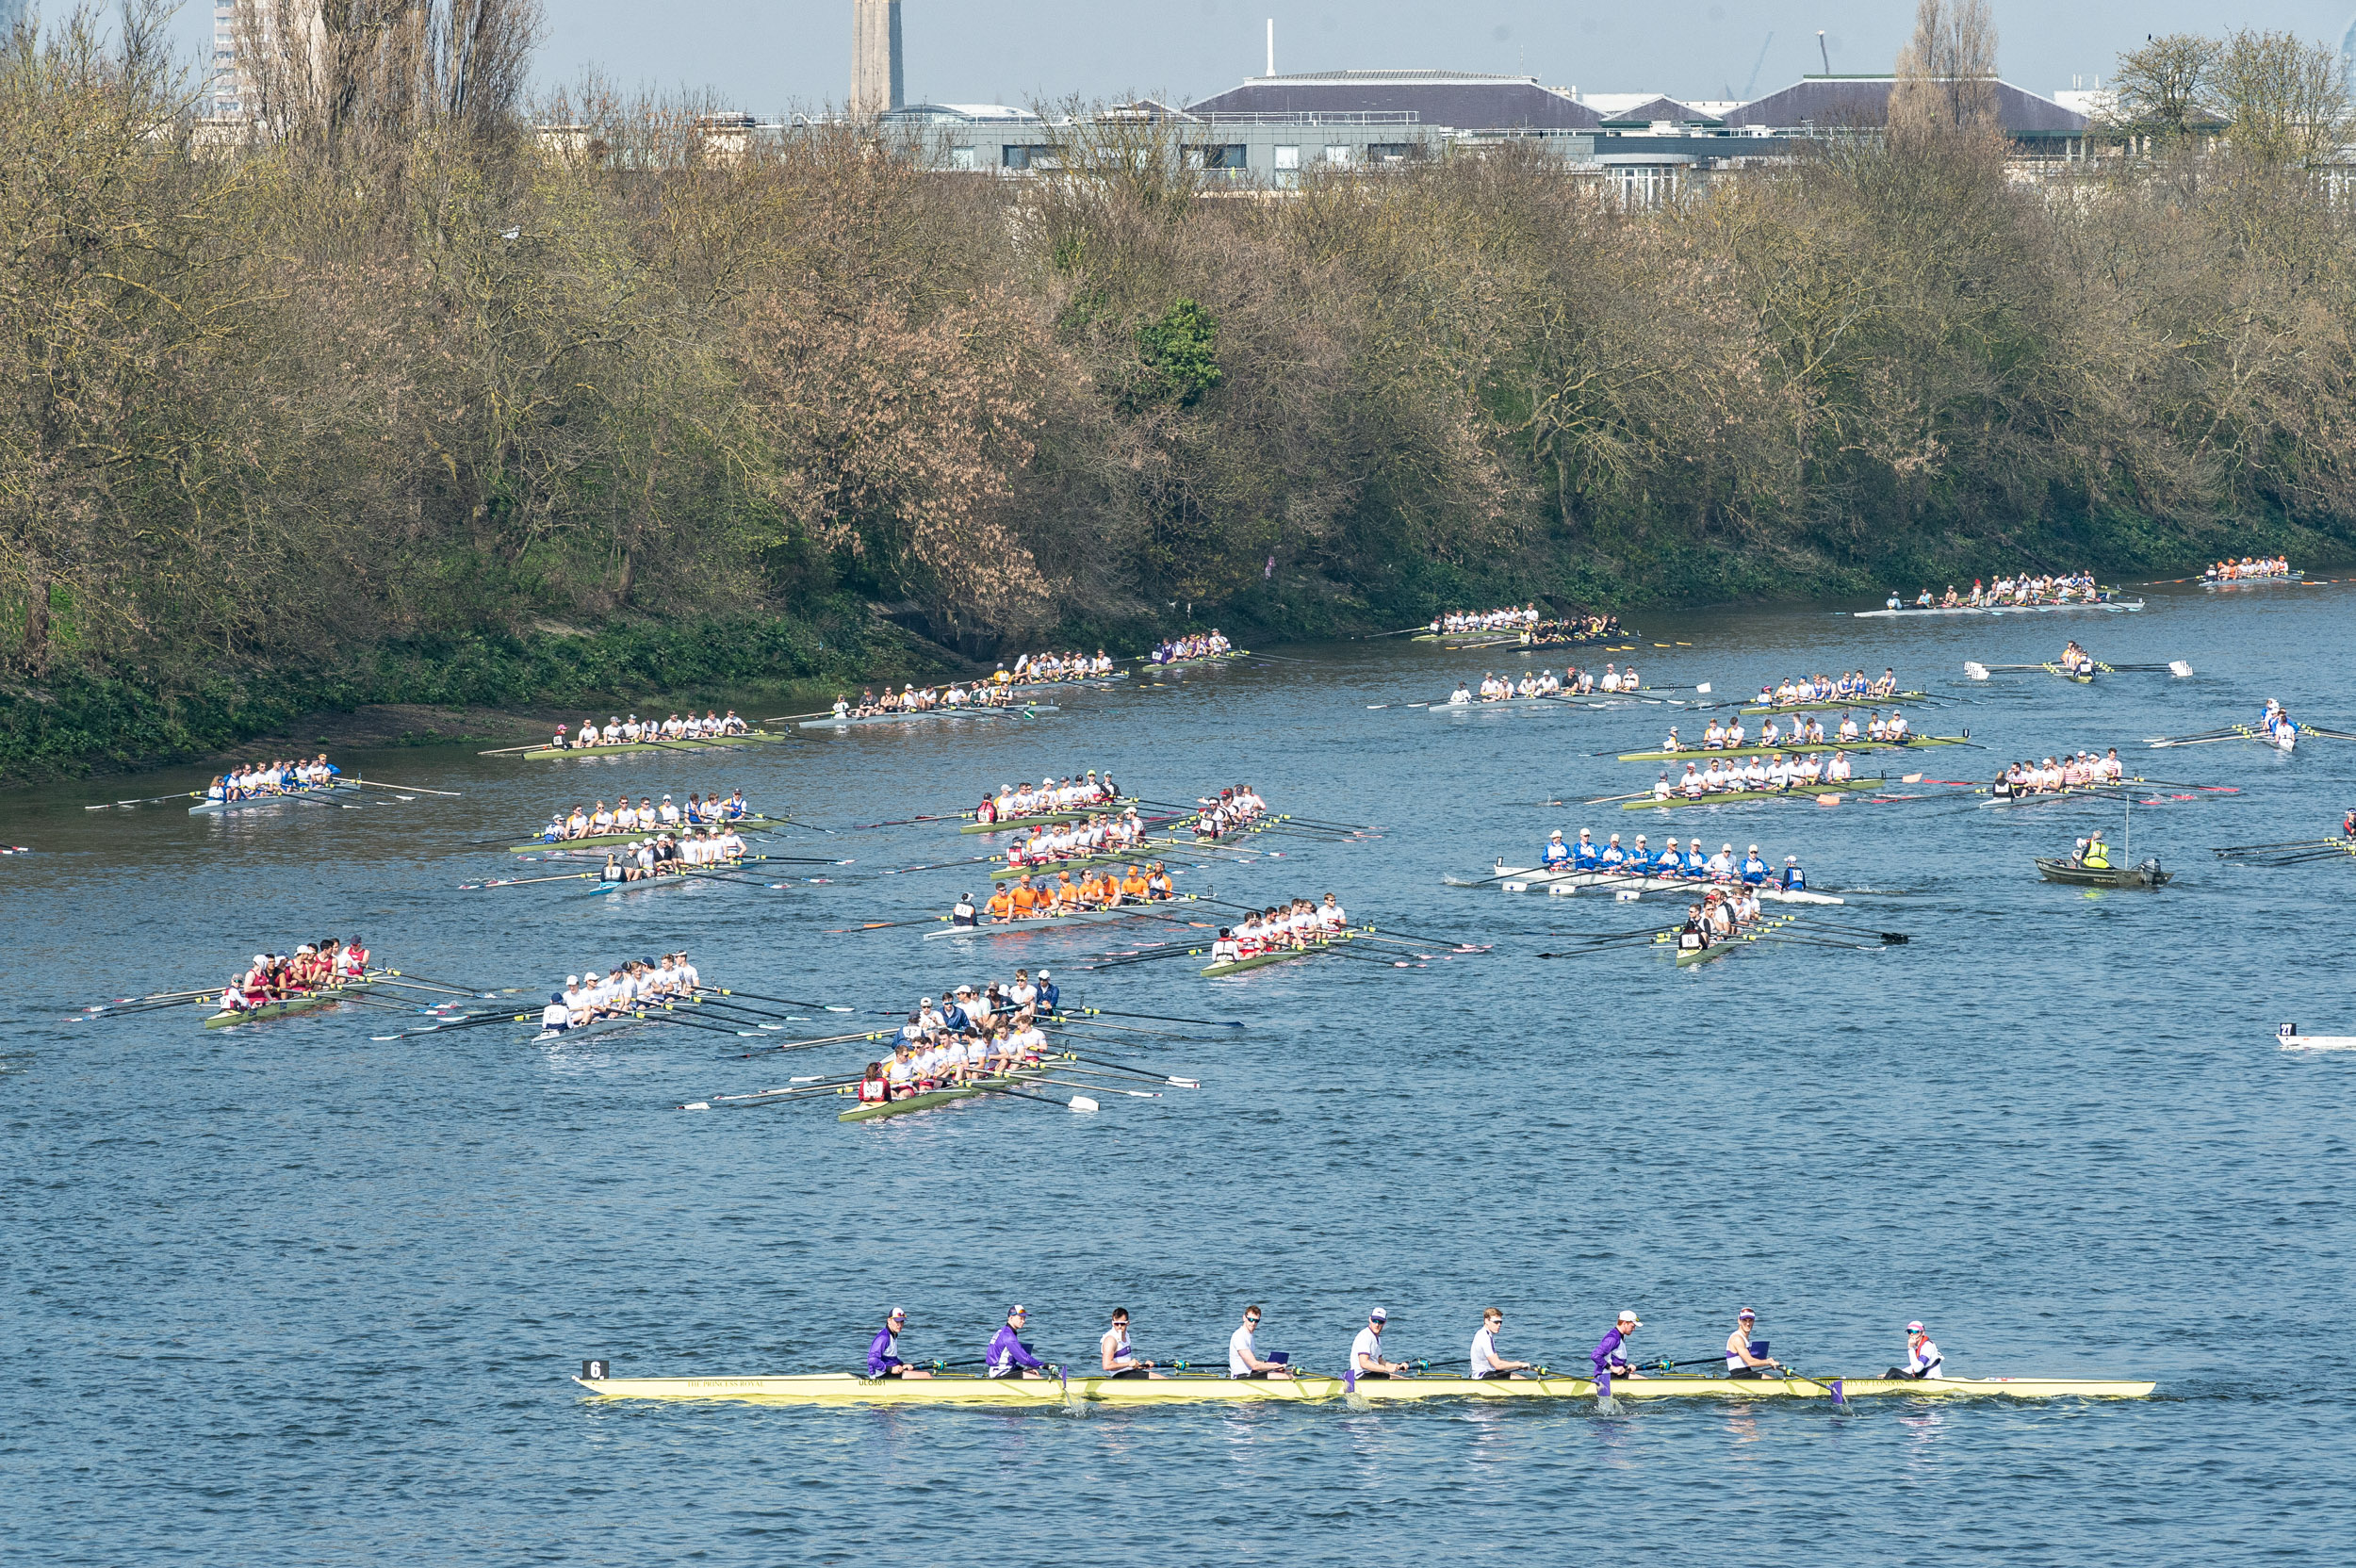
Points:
(926, 1099)
(2112, 605)
(1083, 917)
(1044, 818)
(254, 803)
(1699, 754)
(1687, 957)
(303, 1004)
(1516, 879)
(1737, 797)
(971, 710)
(1192, 1387)
(697, 742)
(604, 841)
(1275, 956)
(1846, 702)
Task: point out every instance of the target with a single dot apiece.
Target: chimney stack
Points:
(876, 81)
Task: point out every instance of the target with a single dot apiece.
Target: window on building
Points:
(1390, 152)
(1337, 154)
(1226, 155)
(1288, 158)
(1028, 157)
(960, 157)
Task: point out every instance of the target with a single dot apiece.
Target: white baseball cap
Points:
(1631, 1317)
(1914, 1327)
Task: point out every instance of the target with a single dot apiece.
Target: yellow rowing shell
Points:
(843, 1388)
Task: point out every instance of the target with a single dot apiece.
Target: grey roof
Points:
(1464, 100)
(1826, 102)
(1661, 109)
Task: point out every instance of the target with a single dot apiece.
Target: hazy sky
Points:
(769, 54)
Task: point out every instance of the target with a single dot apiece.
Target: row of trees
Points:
(400, 364)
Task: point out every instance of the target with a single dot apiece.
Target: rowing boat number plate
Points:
(596, 1371)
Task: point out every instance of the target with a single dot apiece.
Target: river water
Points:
(288, 1293)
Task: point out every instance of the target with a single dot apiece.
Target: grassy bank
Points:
(80, 724)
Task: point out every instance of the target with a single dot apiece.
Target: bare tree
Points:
(1947, 72)
(334, 70)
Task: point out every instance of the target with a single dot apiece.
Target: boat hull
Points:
(1009, 825)
(2147, 875)
(1188, 1388)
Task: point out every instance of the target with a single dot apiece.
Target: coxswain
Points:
(1007, 1356)
(555, 1017)
(1366, 1351)
(1696, 933)
(1794, 879)
(1487, 1366)
(613, 871)
(1746, 1356)
(1610, 1357)
(963, 912)
(1243, 1352)
(1922, 1357)
(883, 1352)
(1114, 1354)
(1557, 853)
(1048, 993)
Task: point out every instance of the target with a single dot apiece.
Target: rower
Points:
(1243, 1355)
(1113, 1351)
(1922, 1357)
(1366, 1351)
(1584, 855)
(1486, 1366)
(1746, 1357)
(1610, 1357)
(1613, 857)
(1557, 853)
(1007, 1356)
(963, 912)
(1754, 870)
(883, 1352)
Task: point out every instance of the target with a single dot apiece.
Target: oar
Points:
(780, 1001)
(419, 788)
(151, 800)
(1161, 1017)
(1142, 1073)
(805, 1045)
(526, 881)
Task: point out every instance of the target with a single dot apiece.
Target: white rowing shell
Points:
(2293, 1040)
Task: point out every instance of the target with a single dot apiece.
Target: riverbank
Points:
(494, 688)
